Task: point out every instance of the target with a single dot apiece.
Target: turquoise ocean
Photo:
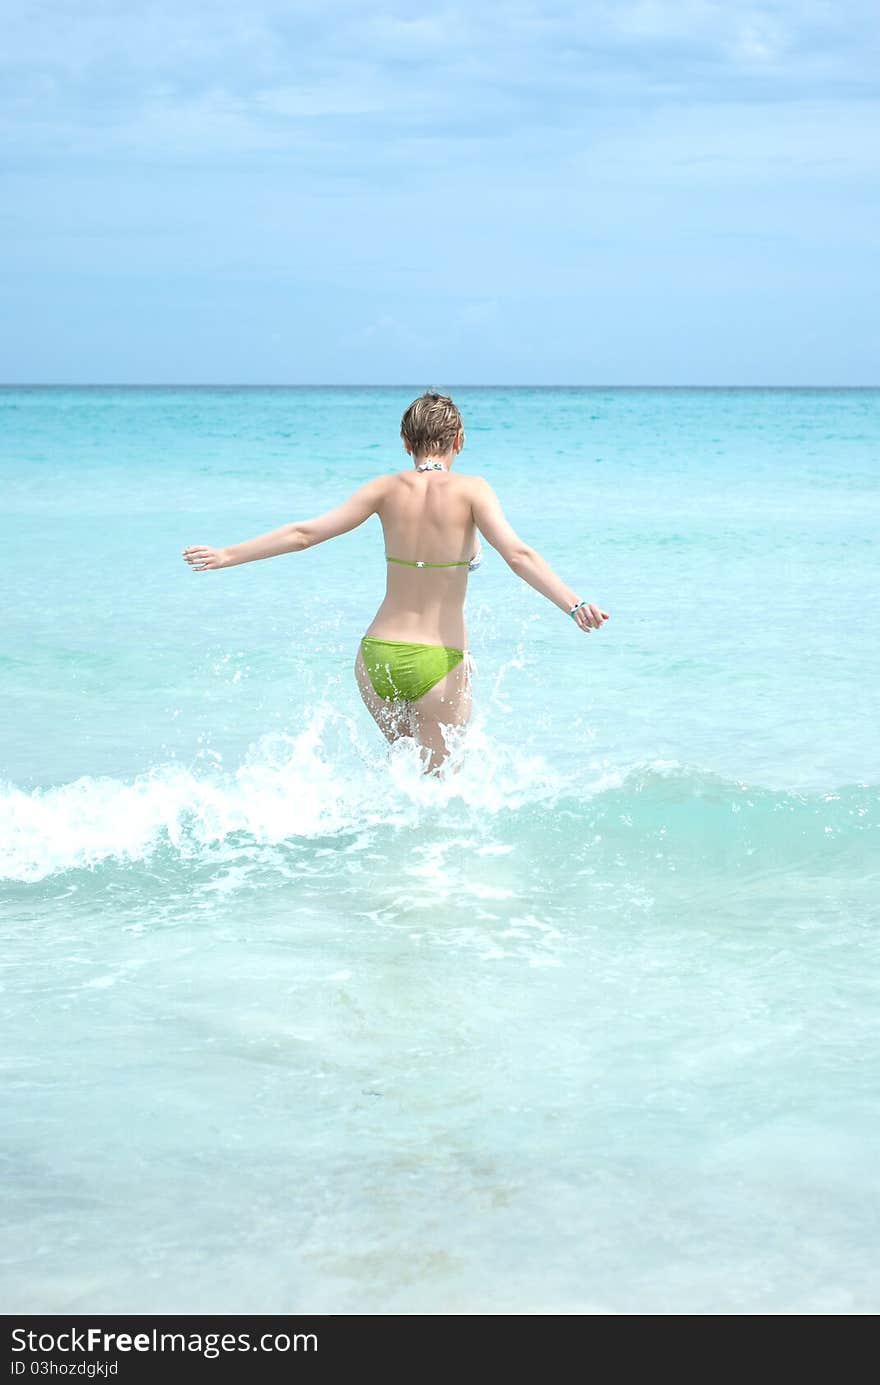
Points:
(590, 1027)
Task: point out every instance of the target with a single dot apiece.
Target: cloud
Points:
(230, 78)
(355, 93)
(334, 176)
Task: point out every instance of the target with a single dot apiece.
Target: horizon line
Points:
(285, 385)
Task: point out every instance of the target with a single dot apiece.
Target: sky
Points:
(669, 192)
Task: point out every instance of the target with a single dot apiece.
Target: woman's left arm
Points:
(293, 538)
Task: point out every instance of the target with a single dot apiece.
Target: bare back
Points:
(426, 517)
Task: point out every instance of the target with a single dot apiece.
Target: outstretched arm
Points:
(293, 538)
(525, 561)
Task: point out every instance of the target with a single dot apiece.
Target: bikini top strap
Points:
(409, 562)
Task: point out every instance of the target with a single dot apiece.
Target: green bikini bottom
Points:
(407, 671)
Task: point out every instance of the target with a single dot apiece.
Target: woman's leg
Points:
(392, 718)
(446, 705)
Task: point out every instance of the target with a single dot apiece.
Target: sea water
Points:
(589, 1027)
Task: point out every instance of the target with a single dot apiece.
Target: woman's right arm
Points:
(525, 561)
(293, 538)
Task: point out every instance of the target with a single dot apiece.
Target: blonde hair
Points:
(431, 423)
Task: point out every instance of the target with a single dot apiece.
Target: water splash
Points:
(325, 780)
(331, 780)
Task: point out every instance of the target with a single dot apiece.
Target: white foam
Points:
(325, 780)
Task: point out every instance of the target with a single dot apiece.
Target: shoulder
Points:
(471, 483)
(479, 487)
(377, 486)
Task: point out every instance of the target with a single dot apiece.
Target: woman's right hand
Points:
(589, 617)
(201, 558)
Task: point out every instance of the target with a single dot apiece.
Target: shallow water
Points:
(587, 1028)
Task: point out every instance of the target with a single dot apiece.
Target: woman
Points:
(413, 666)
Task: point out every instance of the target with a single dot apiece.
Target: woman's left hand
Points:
(589, 617)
